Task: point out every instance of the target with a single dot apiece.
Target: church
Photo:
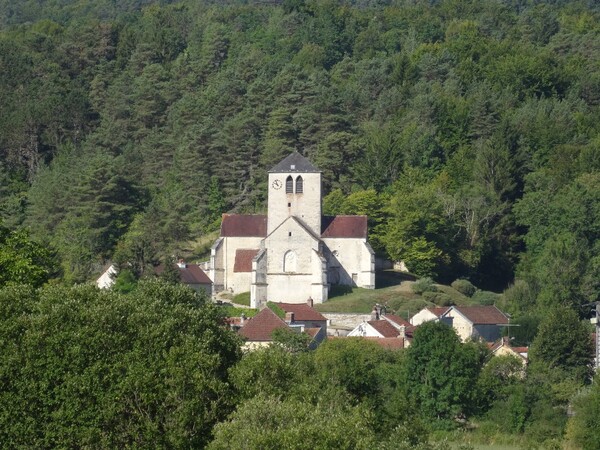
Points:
(292, 254)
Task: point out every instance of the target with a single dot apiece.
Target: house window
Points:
(289, 261)
(289, 185)
(299, 185)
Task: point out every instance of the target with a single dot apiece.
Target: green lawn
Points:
(242, 299)
(393, 290)
(231, 311)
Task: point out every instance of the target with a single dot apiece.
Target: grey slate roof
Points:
(294, 163)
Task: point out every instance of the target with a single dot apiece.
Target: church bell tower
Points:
(294, 190)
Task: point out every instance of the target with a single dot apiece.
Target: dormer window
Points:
(289, 185)
(299, 185)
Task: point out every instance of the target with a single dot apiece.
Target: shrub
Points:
(465, 287)
(519, 297)
(423, 285)
(485, 297)
(439, 298)
(125, 282)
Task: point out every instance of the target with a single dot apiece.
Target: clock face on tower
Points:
(277, 184)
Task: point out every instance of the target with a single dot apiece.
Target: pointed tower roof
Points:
(294, 163)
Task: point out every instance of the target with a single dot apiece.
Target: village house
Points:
(302, 314)
(300, 318)
(190, 275)
(375, 328)
(502, 347)
(476, 322)
(258, 331)
(293, 252)
(384, 326)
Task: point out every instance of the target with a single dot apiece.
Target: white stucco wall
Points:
(422, 316)
(355, 259)
(217, 270)
(462, 326)
(258, 287)
(365, 330)
(107, 279)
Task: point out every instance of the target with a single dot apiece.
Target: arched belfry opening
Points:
(289, 185)
(299, 185)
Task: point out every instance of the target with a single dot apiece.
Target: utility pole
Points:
(597, 336)
(597, 361)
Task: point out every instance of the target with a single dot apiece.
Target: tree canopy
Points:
(83, 367)
(465, 130)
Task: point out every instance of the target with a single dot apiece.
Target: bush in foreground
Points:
(81, 367)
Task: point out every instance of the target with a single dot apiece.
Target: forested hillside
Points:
(468, 131)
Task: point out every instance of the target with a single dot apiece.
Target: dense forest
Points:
(467, 130)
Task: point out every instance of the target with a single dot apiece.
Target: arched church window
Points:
(299, 185)
(289, 185)
(289, 261)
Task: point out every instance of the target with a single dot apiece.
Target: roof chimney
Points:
(310, 302)
(289, 317)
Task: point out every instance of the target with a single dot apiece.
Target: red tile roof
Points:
(243, 260)
(344, 227)
(391, 343)
(438, 311)
(483, 315)
(244, 225)
(396, 319)
(312, 332)
(261, 326)
(191, 274)
(383, 327)
(302, 311)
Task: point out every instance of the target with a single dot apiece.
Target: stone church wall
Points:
(350, 262)
(236, 282)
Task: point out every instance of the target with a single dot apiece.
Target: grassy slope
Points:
(393, 290)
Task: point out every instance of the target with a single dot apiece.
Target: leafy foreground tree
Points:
(23, 260)
(294, 423)
(563, 347)
(269, 422)
(441, 373)
(583, 428)
(81, 367)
